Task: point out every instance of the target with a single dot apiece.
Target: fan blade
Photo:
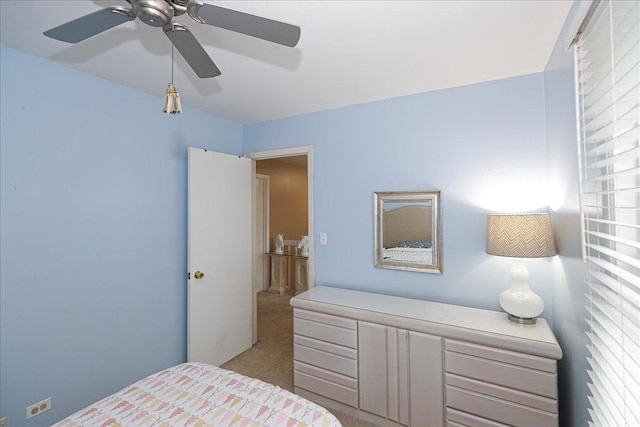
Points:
(240, 22)
(191, 50)
(89, 25)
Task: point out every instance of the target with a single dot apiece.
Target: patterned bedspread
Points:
(198, 395)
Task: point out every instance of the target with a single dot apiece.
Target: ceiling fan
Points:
(160, 13)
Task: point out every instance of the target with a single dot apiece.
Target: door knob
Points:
(198, 274)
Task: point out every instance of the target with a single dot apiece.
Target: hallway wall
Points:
(288, 199)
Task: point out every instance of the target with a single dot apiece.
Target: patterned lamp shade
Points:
(520, 235)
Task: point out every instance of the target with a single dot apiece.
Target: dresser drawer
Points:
(325, 374)
(326, 332)
(342, 322)
(509, 394)
(497, 410)
(499, 355)
(457, 418)
(502, 374)
(339, 350)
(337, 392)
(322, 359)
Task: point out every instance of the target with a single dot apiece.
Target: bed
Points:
(407, 236)
(199, 395)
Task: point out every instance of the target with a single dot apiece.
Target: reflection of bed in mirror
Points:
(408, 231)
(405, 242)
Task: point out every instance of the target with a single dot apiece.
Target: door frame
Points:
(274, 154)
(264, 181)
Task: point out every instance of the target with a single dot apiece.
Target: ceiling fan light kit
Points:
(172, 103)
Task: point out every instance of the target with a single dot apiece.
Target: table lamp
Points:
(520, 236)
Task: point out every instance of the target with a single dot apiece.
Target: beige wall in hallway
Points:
(288, 199)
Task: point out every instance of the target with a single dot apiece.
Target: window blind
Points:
(607, 57)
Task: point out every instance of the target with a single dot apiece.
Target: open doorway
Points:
(286, 214)
(290, 214)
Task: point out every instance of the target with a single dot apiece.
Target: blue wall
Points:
(483, 146)
(93, 224)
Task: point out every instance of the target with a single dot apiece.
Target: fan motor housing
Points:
(156, 13)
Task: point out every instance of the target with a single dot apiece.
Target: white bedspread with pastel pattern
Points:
(198, 395)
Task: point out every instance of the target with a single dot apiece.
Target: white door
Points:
(219, 315)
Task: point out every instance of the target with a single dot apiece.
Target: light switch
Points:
(323, 239)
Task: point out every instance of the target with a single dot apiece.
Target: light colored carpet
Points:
(271, 358)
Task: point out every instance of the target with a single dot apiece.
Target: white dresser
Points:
(399, 361)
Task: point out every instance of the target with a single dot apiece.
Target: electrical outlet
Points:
(38, 408)
(3, 422)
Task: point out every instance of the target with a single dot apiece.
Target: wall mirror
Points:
(408, 231)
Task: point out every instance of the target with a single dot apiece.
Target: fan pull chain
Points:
(172, 103)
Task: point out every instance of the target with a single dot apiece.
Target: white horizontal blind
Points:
(608, 85)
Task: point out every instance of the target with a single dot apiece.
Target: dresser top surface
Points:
(487, 321)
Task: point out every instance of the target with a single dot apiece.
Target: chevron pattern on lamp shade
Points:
(520, 235)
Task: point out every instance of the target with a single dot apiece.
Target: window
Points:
(607, 56)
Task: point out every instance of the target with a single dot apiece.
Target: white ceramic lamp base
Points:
(519, 301)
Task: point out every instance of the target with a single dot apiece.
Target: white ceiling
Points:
(350, 52)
